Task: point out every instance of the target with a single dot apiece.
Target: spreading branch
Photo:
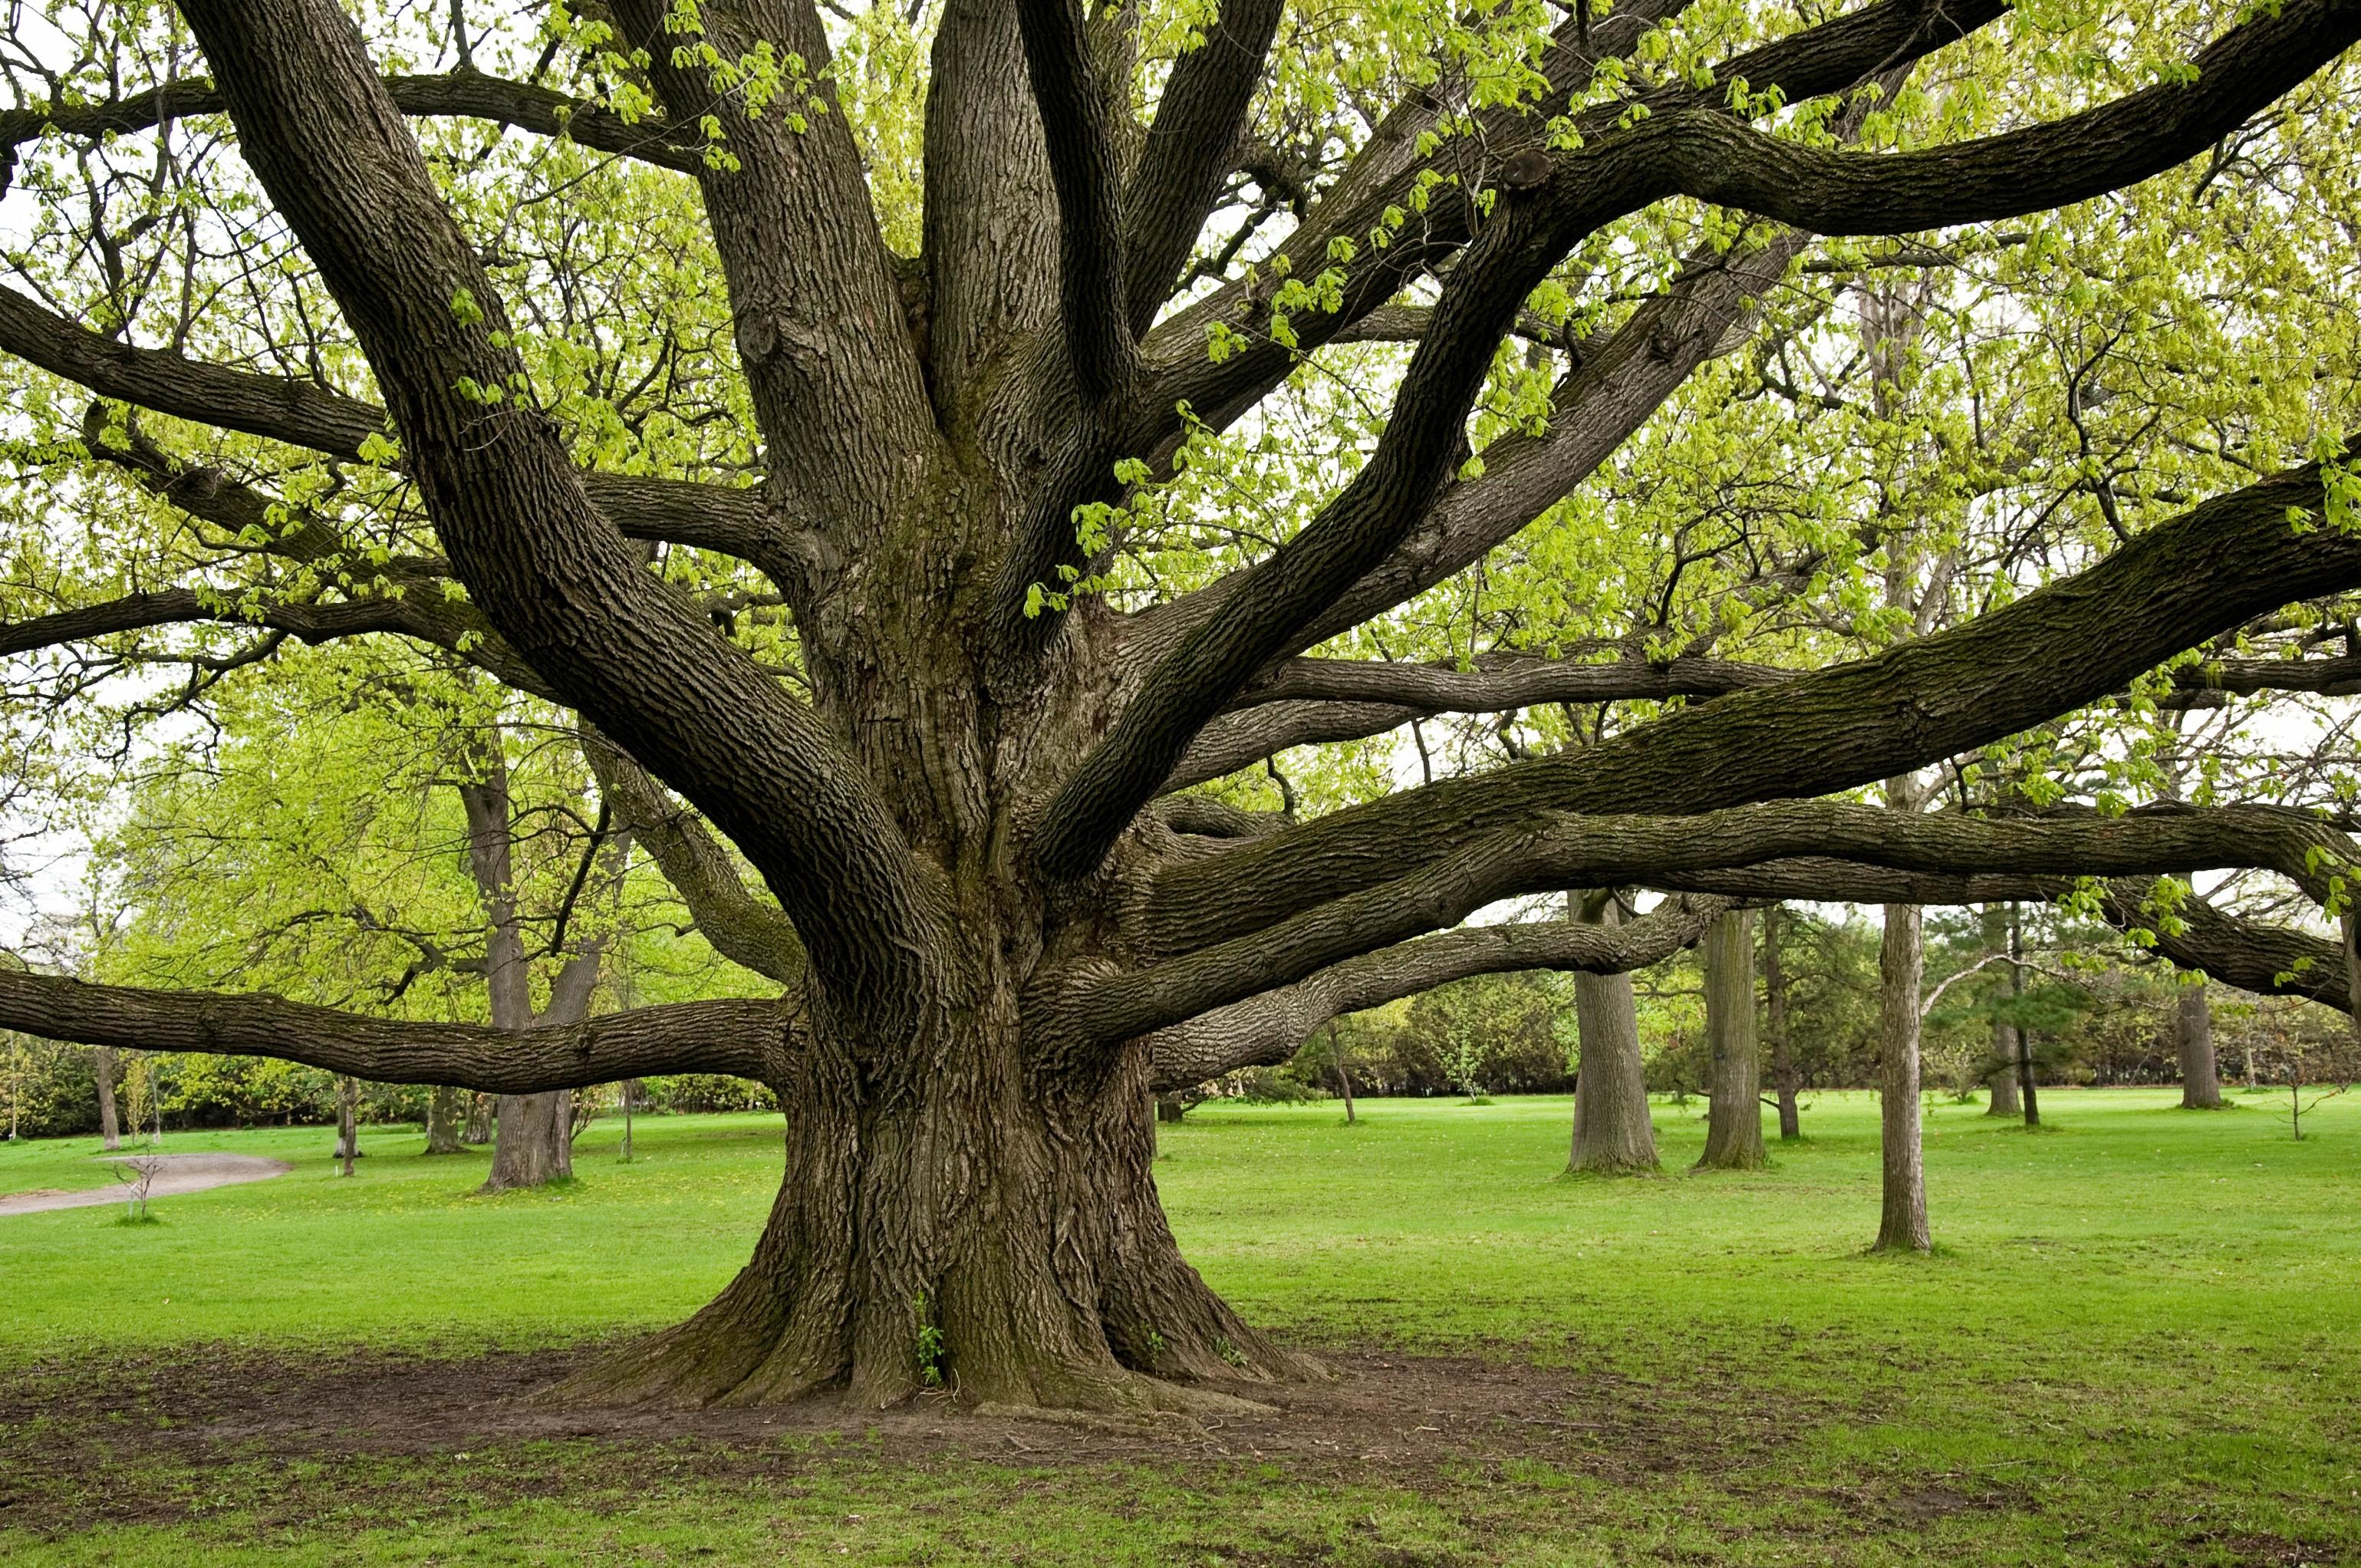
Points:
(744, 1038)
(550, 571)
(468, 94)
(1269, 1028)
(2173, 587)
(1553, 852)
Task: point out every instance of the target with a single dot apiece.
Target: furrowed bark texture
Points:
(1733, 1134)
(995, 944)
(1902, 1206)
(1613, 1133)
(2192, 1018)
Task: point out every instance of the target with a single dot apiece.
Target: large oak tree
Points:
(958, 756)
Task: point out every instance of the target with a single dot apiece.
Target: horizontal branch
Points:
(466, 94)
(2173, 587)
(1267, 1029)
(743, 1038)
(2253, 955)
(721, 518)
(1557, 851)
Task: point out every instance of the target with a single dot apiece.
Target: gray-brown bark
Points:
(993, 954)
(1733, 1134)
(2192, 1021)
(443, 1120)
(1902, 1205)
(1785, 1080)
(348, 1132)
(110, 1132)
(1613, 1133)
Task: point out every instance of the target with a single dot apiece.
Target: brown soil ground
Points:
(1405, 1418)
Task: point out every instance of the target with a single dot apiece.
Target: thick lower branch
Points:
(2170, 589)
(1560, 852)
(1269, 1028)
(746, 1039)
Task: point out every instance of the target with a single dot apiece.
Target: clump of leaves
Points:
(929, 1347)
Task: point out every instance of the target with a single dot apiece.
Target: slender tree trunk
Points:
(2024, 1089)
(1774, 1005)
(348, 1132)
(1733, 1138)
(443, 1120)
(1613, 1133)
(2006, 1046)
(630, 1094)
(110, 1130)
(1344, 1073)
(1902, 1223)
(2201, 1082)
(2002, 1080)
(477, 1131)
(531, 1141)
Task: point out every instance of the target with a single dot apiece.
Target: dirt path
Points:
(175, 1173)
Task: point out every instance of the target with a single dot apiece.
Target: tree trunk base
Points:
(1017, 1261)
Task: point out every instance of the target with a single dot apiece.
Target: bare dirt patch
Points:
(66, 1426)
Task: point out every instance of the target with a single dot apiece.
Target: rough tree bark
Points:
(2025, 1092)
(1785, 1080)
(2002, 1080)
(991, 935)
(1613, 1133)
(1902, 1210)
(348, 1130)
(2192, 1030)
(110, 1131)
(443, 1120)
(1733, 1137)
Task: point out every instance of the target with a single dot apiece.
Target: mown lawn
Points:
(2140, 1343)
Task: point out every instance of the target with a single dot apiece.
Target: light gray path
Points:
(175, 1173)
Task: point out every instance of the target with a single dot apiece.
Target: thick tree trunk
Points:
(477, 1131)
(110, 1130)
(1733, 1137)
(1613, 1133)
(995, 1233)
(1784, 1077)
(443, 1120)
(2200, 1080)
(1902, 1223)
(535, 1142)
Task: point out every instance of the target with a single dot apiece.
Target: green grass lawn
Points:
(2140, 1342)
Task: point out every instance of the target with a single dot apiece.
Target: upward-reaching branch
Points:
(1099, 345)
(551, 573)
(1549, 204)
(835, 381)
(1190, 145)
